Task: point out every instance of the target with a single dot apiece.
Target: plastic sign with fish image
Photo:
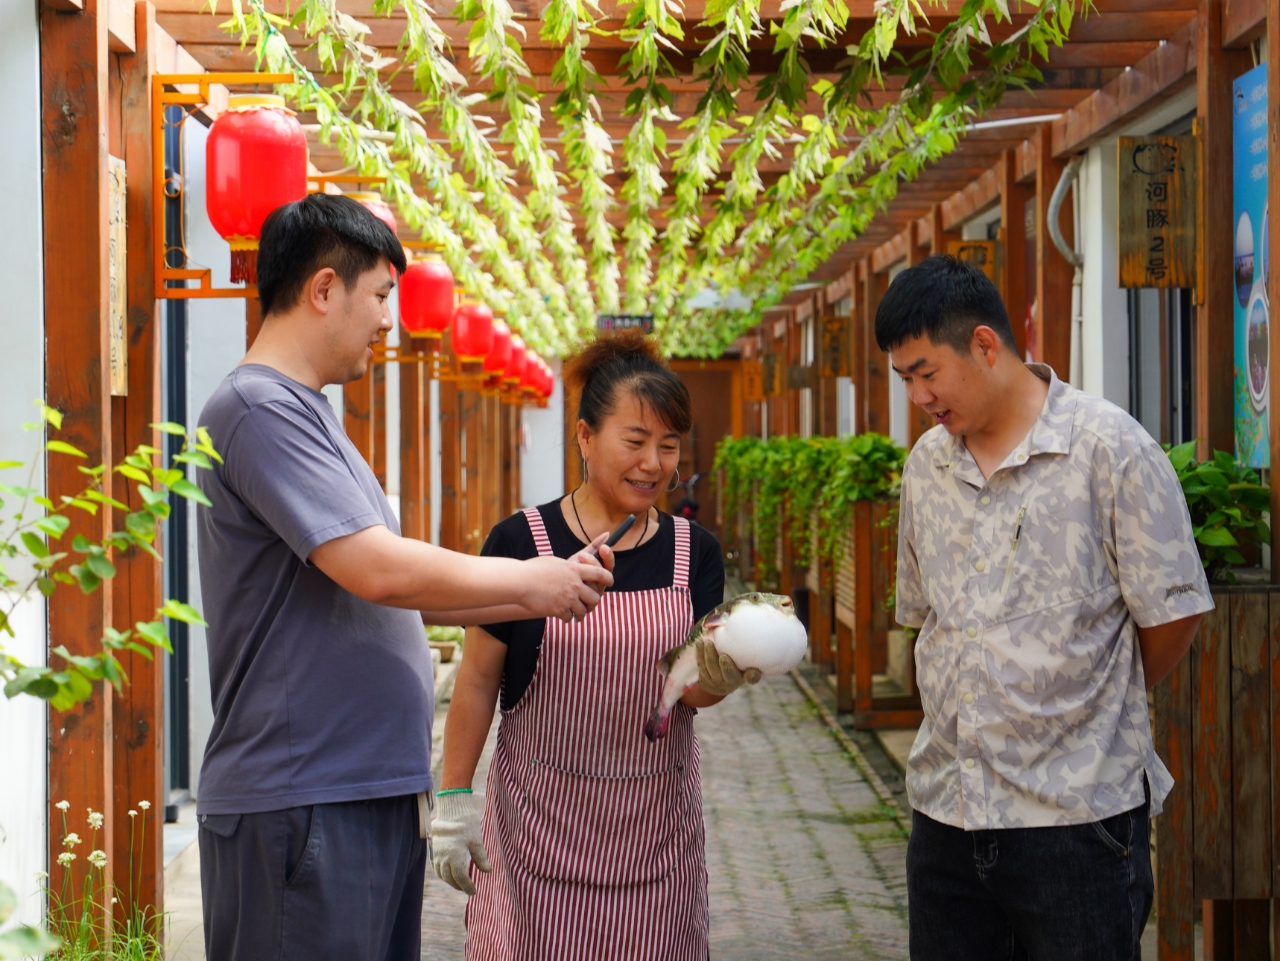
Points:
(1252, 388)
(756, 630)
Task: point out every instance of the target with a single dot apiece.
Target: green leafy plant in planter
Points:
(1227, 502)
(798, 480)
(33, 558)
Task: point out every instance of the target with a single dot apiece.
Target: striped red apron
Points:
(595, 835)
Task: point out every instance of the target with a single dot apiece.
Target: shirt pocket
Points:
(1047, 556)
(605, 831)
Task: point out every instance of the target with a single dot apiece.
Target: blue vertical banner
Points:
(1253, 312)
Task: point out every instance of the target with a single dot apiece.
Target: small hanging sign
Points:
(752, 380)
(625, 322)
(117, 274)
(835, 346)
(979, 253)
(1157, 215)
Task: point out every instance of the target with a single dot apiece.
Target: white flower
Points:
(95, 819)
(71, 840)
(144, 805)
(133, 814)
(65, 858)
(42, 875)
(98, 858)
(63, 806)
(115, 900)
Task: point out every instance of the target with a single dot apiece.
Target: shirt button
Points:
(972, 632)
(986, 499)
(981, 565)
(968, 698)
(968, 762)
(1021, 458)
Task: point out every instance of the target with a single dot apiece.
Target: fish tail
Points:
(656, 726)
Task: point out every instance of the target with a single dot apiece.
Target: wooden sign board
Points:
(834, 355)
(771, 374)
(118, 276)
(980, 253)
(625, 322)
(1157, 215)
(752, 380)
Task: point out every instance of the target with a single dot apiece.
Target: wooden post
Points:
(357, 407)
(138, 587)
(918, 420)
(1013, 232)
(252, 320)
(858, 335)
(1053, 273)
(1215, 320)
(1175, 919)
(450, 474)
(415, 485)
(875, 396)
(378, 422)
(511, 423)
(74, 133)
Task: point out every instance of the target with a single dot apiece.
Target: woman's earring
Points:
(584, 470)
(675, 481)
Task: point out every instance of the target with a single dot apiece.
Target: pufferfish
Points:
(756, 630)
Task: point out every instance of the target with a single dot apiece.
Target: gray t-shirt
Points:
(318, 696)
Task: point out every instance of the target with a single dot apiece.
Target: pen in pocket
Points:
(1013, 550)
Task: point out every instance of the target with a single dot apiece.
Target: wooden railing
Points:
(1217, 728)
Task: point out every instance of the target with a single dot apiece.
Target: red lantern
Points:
(255, 161)
(532, 375)
(426, 297)
(516, 363)
(495, 362)
(548, 381)
(472, 331)
(373, 202)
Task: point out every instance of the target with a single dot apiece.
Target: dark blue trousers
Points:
(1077, 893)
(329, 881)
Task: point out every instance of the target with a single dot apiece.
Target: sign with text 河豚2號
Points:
(625, 322)
(1157, 211)
(1252, 382)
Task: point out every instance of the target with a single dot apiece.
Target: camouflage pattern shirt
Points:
(1027, 588)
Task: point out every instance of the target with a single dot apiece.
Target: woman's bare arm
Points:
(475, 694)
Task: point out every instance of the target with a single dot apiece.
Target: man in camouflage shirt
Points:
(1047, 560)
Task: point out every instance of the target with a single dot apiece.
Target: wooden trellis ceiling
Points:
(1116, 35)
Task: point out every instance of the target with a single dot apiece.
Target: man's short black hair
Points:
(943, 298)
(318, 231)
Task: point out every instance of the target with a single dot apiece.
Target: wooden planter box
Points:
(1217, 727)
(863, 583)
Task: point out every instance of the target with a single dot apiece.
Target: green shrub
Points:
(1227, 502)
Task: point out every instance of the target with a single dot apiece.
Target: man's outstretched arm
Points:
(378, 566)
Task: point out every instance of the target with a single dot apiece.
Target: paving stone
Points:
(804, 861)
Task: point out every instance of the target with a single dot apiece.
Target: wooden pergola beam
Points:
(1164, 72)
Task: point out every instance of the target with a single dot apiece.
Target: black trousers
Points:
(329, 881)
(1076, 893)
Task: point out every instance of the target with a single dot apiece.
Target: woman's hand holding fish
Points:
(717, 674)
(456, 841)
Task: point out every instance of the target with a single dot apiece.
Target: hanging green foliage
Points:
(803, 480)
(849, 143)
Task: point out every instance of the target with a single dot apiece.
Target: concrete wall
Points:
(23, 730)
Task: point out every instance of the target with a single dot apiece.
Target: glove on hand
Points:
(717, 674)
(456, 841)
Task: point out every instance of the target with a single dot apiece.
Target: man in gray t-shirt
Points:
(311, 831)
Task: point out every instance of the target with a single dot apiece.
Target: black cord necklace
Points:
(583, 527)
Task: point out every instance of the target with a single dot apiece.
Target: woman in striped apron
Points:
(592, 842)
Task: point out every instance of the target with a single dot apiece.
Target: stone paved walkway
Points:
(805, 863)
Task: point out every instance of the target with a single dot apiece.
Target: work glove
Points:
(717, 674)
(456, 841)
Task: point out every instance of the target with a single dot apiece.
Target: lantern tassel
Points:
(244, 267)
(244, 260)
